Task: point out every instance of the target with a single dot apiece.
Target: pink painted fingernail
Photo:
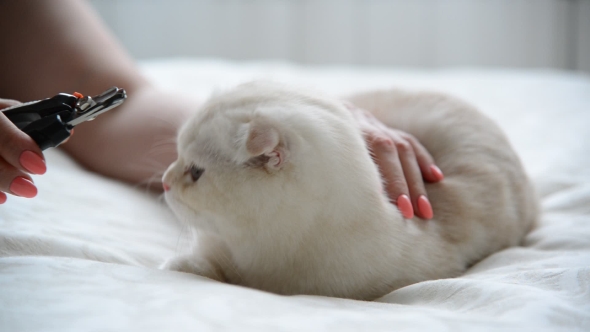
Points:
(405, 206)
(32, 162)
(438, 174)
(2, 198)
(23, 187)
(424, 207)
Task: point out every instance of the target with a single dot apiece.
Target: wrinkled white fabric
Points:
(82, 255)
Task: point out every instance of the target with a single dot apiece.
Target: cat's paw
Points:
(194, 265)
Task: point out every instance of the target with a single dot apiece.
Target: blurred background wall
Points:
(402, 33)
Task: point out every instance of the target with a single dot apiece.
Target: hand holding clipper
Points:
(50, 121)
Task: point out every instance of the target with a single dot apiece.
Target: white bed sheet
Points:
(81, 256)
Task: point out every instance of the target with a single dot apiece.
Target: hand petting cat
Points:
(403, 163)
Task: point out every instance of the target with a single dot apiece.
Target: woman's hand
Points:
(19, 155)
(403, 163)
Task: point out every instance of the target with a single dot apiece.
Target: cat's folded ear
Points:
(264, 145)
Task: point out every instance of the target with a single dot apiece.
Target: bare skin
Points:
(52, 46)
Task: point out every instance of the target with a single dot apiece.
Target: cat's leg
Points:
(193, 263)
(211, 259)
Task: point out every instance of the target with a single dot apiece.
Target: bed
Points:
(82, 256)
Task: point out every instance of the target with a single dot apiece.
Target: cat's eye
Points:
(196, 172)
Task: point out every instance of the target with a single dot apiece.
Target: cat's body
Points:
(290, 201)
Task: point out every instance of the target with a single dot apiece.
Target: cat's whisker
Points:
(164, 139)
(164, 143)
(168, 145)
(161, 120)
(150, 181)
(150, 166)
(149, 184)
(159, 151)
(184, 231)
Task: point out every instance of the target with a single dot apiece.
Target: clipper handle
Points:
(44, 120)
(48, 132)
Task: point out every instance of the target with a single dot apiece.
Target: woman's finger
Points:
(19, 149)
(430, 171)
(387, 160)
(412, 170)
(413, 175)
(4, 103)
(403, 163)
(16, 182)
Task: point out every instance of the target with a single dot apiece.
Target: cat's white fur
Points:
(291, 202)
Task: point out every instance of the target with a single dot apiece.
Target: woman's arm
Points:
(54, 46)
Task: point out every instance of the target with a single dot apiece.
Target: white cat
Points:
(286, 198)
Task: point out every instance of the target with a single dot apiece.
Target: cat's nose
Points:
(165, 186)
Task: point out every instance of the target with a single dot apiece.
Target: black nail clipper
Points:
(50, 121)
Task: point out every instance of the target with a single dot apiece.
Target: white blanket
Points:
(82, 255)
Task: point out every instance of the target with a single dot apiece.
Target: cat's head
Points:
(262, 151)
